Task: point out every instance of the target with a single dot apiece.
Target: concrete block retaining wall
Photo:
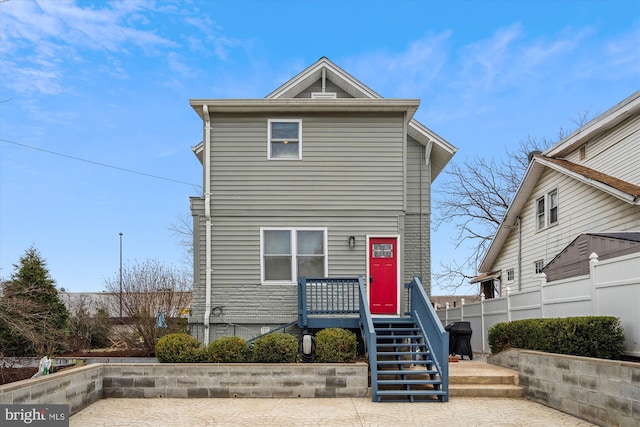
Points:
(236, 380)
(80, 387)
(604, 392)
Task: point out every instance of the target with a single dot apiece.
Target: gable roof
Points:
(439, 151)
(621, 189)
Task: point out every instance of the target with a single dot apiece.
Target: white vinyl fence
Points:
(612, 288)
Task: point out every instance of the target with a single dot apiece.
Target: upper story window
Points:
(538, 266)
(289, 253)
(285, 139)
(540, 213)
(510, 275)
(547, 210)
(553, 207)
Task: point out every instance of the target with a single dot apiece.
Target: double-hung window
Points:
(553, 207)
(284, 139)
(547, 210)
(289, 253)
(540, 222)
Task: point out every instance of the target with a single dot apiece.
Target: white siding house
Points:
(587, 183)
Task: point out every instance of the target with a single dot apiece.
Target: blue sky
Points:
(110, 82)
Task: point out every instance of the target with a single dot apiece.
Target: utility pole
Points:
(120, 277)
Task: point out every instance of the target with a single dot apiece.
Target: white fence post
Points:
(593, 261)
(543, 282)
(446, 314)
(461, 309)
(509, 303)
(482, 318)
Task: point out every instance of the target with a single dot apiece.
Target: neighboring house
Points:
(322, 178)
(92, 302)
(578, 197)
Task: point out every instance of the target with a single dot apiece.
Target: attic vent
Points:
(324, 95)
(583, 248)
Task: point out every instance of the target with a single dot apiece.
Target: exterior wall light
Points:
(352, 241)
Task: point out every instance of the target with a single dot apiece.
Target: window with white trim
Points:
(538, 266)
(510, 274)
(284, 139)
(547, 210)
(540, 213)
(553, 207)
(289, 253)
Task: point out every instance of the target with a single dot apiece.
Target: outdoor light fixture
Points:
(352, 241)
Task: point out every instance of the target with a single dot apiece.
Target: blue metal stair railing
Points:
(370, 340)
(434, 332)
(328, 302)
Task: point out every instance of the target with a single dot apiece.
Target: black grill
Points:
(460, 339)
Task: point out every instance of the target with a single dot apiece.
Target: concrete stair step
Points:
(485, 390)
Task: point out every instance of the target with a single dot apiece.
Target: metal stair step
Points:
(403, 353)
(405, 362)
(407, 372)
(411, 393)
(396, 337)
(408, 382)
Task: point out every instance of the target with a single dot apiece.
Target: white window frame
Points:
(269, 140)
(294, 253)
(543, 218)
(550, 206)
(510, 275)
(540, 215)
(537, 270)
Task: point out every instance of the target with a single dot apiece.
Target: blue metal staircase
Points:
(408, 356)
(405, 368)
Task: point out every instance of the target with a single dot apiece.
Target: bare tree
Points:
(153, 299)
(475, 195)
(182, 230)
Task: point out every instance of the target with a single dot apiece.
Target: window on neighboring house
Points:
(583, 152)
(538, 266)
(553, 207)
(547, 210)
(510, 274)
(285, 139)
(289, 253)
(540, 213)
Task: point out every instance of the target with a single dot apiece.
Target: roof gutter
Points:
(207, 216)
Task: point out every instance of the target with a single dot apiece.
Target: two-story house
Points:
(580, 196)
(321, 178)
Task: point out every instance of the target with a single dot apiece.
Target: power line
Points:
(98, 163)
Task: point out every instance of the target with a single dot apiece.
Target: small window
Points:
(291, 253)
(540, 213)
(583, 152)
(510, 274)
(538, 266)
(285, 139)
(553, 207)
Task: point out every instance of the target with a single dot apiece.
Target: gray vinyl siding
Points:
(615, 152)
(581, 209)
(352, 162)
(329, 87)
(236, 261)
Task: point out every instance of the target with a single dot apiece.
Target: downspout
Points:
(207, 216)
(427, 158)
(519, 254)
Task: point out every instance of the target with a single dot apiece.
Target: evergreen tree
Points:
(33, 318)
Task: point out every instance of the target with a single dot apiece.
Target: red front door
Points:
(383, 275)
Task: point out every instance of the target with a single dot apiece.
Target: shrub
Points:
(276, 348)
(589, 336)
(177, 348)
(226, 350)
(336, 345)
